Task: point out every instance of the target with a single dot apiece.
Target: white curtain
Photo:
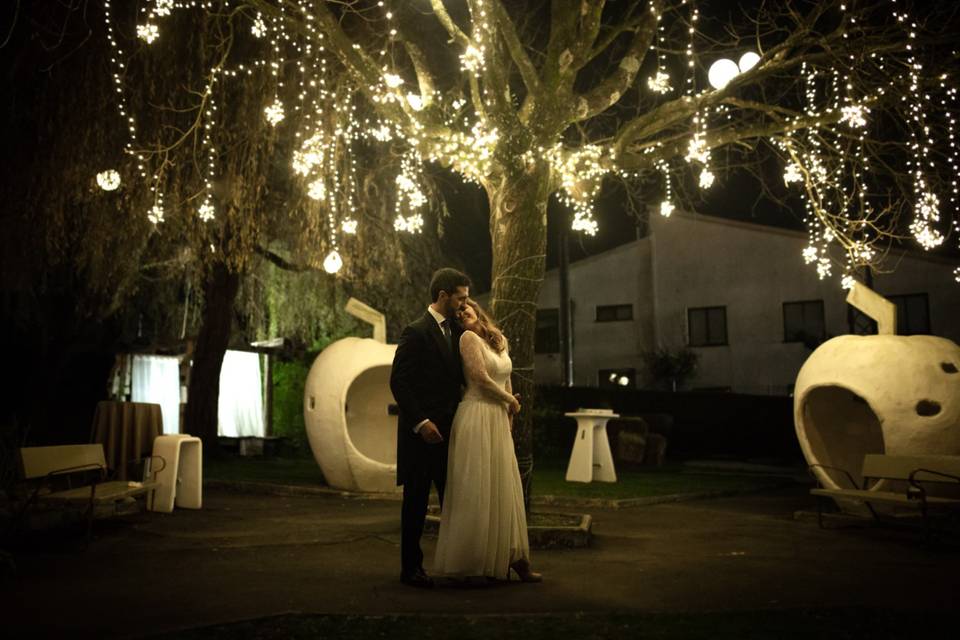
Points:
(156, 379)
(241, 395)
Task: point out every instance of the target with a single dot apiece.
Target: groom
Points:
(426, 382)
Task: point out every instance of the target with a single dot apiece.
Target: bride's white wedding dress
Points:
(483, 527)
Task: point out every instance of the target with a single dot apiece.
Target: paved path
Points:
(246, 556)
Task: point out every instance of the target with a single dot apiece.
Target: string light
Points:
(108, 180)
(827, 163)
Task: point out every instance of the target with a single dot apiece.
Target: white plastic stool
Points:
(591, 458)
(181, 480)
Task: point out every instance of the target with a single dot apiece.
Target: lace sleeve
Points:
(506, 350)
(475, 371)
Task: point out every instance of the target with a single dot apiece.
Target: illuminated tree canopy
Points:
(854, 101)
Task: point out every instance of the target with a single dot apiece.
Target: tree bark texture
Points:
(518, 231)
(203, 397)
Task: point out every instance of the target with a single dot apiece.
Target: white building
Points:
(738, 294)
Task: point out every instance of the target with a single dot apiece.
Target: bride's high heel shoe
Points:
(523, 571)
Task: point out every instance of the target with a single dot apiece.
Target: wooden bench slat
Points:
(104, 492)
(41, 461)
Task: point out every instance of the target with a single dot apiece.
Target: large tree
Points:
(853, 102)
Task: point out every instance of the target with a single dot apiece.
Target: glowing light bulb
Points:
(722, 72)
(108, 180)
(274, 113)
(333, 262)
(748, 61)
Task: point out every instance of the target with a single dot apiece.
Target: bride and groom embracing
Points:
(451, 380)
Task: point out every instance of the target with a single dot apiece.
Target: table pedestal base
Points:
(181, 480)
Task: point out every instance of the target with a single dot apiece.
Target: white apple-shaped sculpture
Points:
(888, 394)
(348, 411)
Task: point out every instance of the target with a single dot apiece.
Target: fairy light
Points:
(792, 174)
(274, 113)
(259, 27)
(855, 115)
(472, 59)
(835, 186)
(206, 212)
(116, 58)
(333, 262)
(659, 82)
(410, 196)
(581, 173)
(108, 180)
(148, 32)
(317, 190)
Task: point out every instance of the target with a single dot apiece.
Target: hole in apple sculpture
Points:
(840, 428)
(347, 409)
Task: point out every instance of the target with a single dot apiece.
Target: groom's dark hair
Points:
(448, 280)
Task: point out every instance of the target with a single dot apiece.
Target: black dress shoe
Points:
(419, 579)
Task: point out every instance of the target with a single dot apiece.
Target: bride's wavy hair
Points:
(489, 330)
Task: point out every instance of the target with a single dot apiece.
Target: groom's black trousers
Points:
(432, 470)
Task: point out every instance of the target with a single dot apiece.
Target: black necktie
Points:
(445, 326)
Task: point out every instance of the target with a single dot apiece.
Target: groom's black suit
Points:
(426, 381)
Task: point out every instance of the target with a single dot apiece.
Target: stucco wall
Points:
(691, 261)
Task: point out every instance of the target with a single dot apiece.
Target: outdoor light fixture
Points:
(748, 61)
(108, 180)
(333, 262)
(623, 381)
(722, 72)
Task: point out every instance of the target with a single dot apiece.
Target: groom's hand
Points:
(430, 433)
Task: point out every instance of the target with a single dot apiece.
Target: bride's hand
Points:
(514, 407)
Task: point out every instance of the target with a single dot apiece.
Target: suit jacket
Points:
(426, 381)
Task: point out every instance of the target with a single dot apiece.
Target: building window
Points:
(614, 312)
(913, 316)
(707, 326)
(547, 338)
(860, 323)
(617, 378)
(803, 322)
(913, 313)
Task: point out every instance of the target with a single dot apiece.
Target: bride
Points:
(483, 527)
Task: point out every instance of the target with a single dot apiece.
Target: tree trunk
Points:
(203, 397)
(518, 231)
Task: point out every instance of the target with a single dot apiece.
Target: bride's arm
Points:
(475, 371)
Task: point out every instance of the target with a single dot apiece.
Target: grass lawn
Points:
(276, 470)
(636, 482)
(644, 482)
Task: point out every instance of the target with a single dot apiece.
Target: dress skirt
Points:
(483, 527)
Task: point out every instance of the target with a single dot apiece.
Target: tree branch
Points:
(608, 92)
(281, 262)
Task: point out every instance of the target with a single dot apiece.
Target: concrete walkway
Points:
(251, 555)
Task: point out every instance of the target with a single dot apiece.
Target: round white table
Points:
(591, 458)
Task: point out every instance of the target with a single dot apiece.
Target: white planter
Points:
(346, 410)
(897, 395)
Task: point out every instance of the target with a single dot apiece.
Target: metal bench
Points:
(80, 470)
(917, 471)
